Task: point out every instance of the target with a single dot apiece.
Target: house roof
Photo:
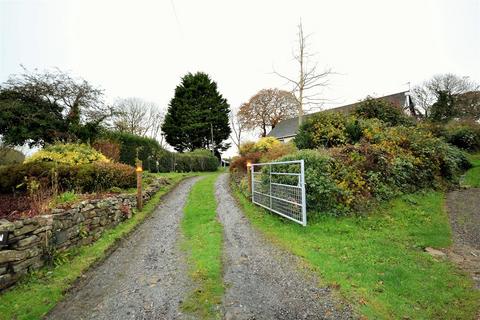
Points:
(288, 128)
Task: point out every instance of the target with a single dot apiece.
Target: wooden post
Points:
(139, 170)
(249, 174)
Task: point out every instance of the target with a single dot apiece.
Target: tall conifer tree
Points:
(195, 114)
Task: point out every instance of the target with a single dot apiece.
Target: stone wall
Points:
(31, 241)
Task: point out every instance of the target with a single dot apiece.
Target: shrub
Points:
(101, 177)
(246, 148)
(197, 160)
(278, 151)
(239, 164)
(156, 159)
(326, 129)
(264, 150)
(91, 177)
(462, 134)
(148, 150)
(10, 156)
(265, 144)
(67, 153)
(108, 148)
(382, 110)
(465, 135)
(321, 190)
(329, 129)
(385, 163)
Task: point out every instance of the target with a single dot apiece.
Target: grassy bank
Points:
(203, 243)
(377, 262)
(472, 176)
(35, 295)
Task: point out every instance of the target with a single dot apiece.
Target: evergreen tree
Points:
(444, 109)
(195, 111)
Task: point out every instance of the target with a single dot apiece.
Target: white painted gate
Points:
(280, 188)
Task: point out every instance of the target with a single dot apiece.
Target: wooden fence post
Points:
(139, 170)
(249, 174)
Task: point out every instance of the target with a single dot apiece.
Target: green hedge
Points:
(148, 149)
(90, 177)
(157, 159)
(356, 162)
(382, 165)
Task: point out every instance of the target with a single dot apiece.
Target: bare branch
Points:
(309, 78)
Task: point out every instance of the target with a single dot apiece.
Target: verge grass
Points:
(37, 293)
(377, 262)
(472, 176)
(203, 243)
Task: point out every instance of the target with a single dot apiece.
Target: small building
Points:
(286, 130)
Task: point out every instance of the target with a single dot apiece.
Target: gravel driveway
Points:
(464, 212)
(262, 281)
(145, 278)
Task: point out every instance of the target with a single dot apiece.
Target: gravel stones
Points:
(263, 281)
(463, 208)
(144, 278)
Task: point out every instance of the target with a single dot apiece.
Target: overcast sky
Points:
(143, 48)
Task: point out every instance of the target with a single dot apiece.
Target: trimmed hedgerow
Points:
(131, 146)
(91, 177)
(155, 158)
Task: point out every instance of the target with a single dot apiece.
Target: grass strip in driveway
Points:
(35, 295)
(377, 262)
(203, 243)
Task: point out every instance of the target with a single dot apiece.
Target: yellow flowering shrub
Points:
(265, 144)
(68, 153)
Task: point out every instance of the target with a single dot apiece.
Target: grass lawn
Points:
(35, 295)
(377, 262)
(472, 176)
(203, 244)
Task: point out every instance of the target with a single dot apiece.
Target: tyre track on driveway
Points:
(263, 281)
(144, 278)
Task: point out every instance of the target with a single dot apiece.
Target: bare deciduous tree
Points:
(310, 79)
(237, 129)
(136, 116)
(266, 109)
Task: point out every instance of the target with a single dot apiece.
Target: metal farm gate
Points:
(280, 188)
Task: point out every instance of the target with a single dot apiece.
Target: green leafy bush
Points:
(278, 151)
(155, 158)
(388, 161)
(328, 129)
(321, 190)
(91, 177)
(67, 153)
(10, 156)
(383, 110)
(149, 150)
(246, 148)
(465, 135)
(265, 144)
(198, 160)
(265, 149)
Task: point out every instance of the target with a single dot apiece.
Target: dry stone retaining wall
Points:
(32, 240)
